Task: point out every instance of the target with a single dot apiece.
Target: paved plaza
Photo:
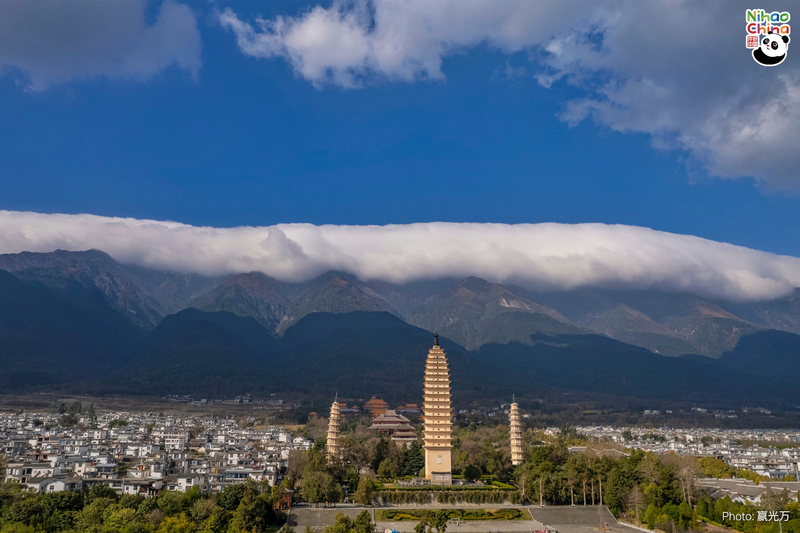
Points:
(579, 519)
(561, 519)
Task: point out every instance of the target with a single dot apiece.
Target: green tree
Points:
(177, 524)
(363, 523)
(387, 469)
(29, 511)
(101, 491)
(253, 514)
(119, 519)
(91, 516)
(147, 505)
(131, 501)
(202, 509)
(650, 516)
(414, 460)
(438, 520)
(218, 521)
(320, 487)
(316, 459)
(748, 474)
(231, 496)
(365, 493)
(471, 473)
(622, 477)
(380, 453)
(170, 503)
(343, 524)
(16, 527)
(190, 497)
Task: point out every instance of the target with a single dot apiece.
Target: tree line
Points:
(237, 508)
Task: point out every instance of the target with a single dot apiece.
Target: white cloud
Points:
(348, 43)
(538, 256)
(677, 70)
(55, 41)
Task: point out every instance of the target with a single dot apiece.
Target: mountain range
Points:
(81, 319)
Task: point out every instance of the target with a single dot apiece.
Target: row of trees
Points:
(322, 480)
(447, 497)
(245, 507)
(713, 467)
(481, 447)
(772, 505)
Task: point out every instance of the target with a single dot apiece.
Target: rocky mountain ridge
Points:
(472, 312)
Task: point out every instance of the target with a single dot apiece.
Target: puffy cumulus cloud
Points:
(538, 256)
(349, 43)
(54, 41)
(685, 78)
(676, 70)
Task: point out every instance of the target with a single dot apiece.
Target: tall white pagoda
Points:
(334, 424)
(516, 435)
(437, 414)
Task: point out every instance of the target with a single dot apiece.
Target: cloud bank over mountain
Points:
(678, 71)
(537, 256)
(55, 42)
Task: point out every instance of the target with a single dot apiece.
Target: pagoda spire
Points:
(334, 425)
(437, 412)
(515, 431)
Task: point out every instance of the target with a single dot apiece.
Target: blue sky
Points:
(240, 139)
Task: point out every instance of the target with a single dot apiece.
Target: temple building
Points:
(333, 430)
(375, 406)
(388, 422)
(437, 413)
(409, 408)
(516, 435)
(352, 410)
(404, 433)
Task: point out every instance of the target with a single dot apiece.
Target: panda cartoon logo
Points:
(772, 50)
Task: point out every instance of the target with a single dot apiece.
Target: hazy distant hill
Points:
(665, 323)
(172, 290)
(782, 314)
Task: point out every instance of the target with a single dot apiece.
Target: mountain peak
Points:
(474, 312)
(476, 284)
(92, 269)
(253, 294)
